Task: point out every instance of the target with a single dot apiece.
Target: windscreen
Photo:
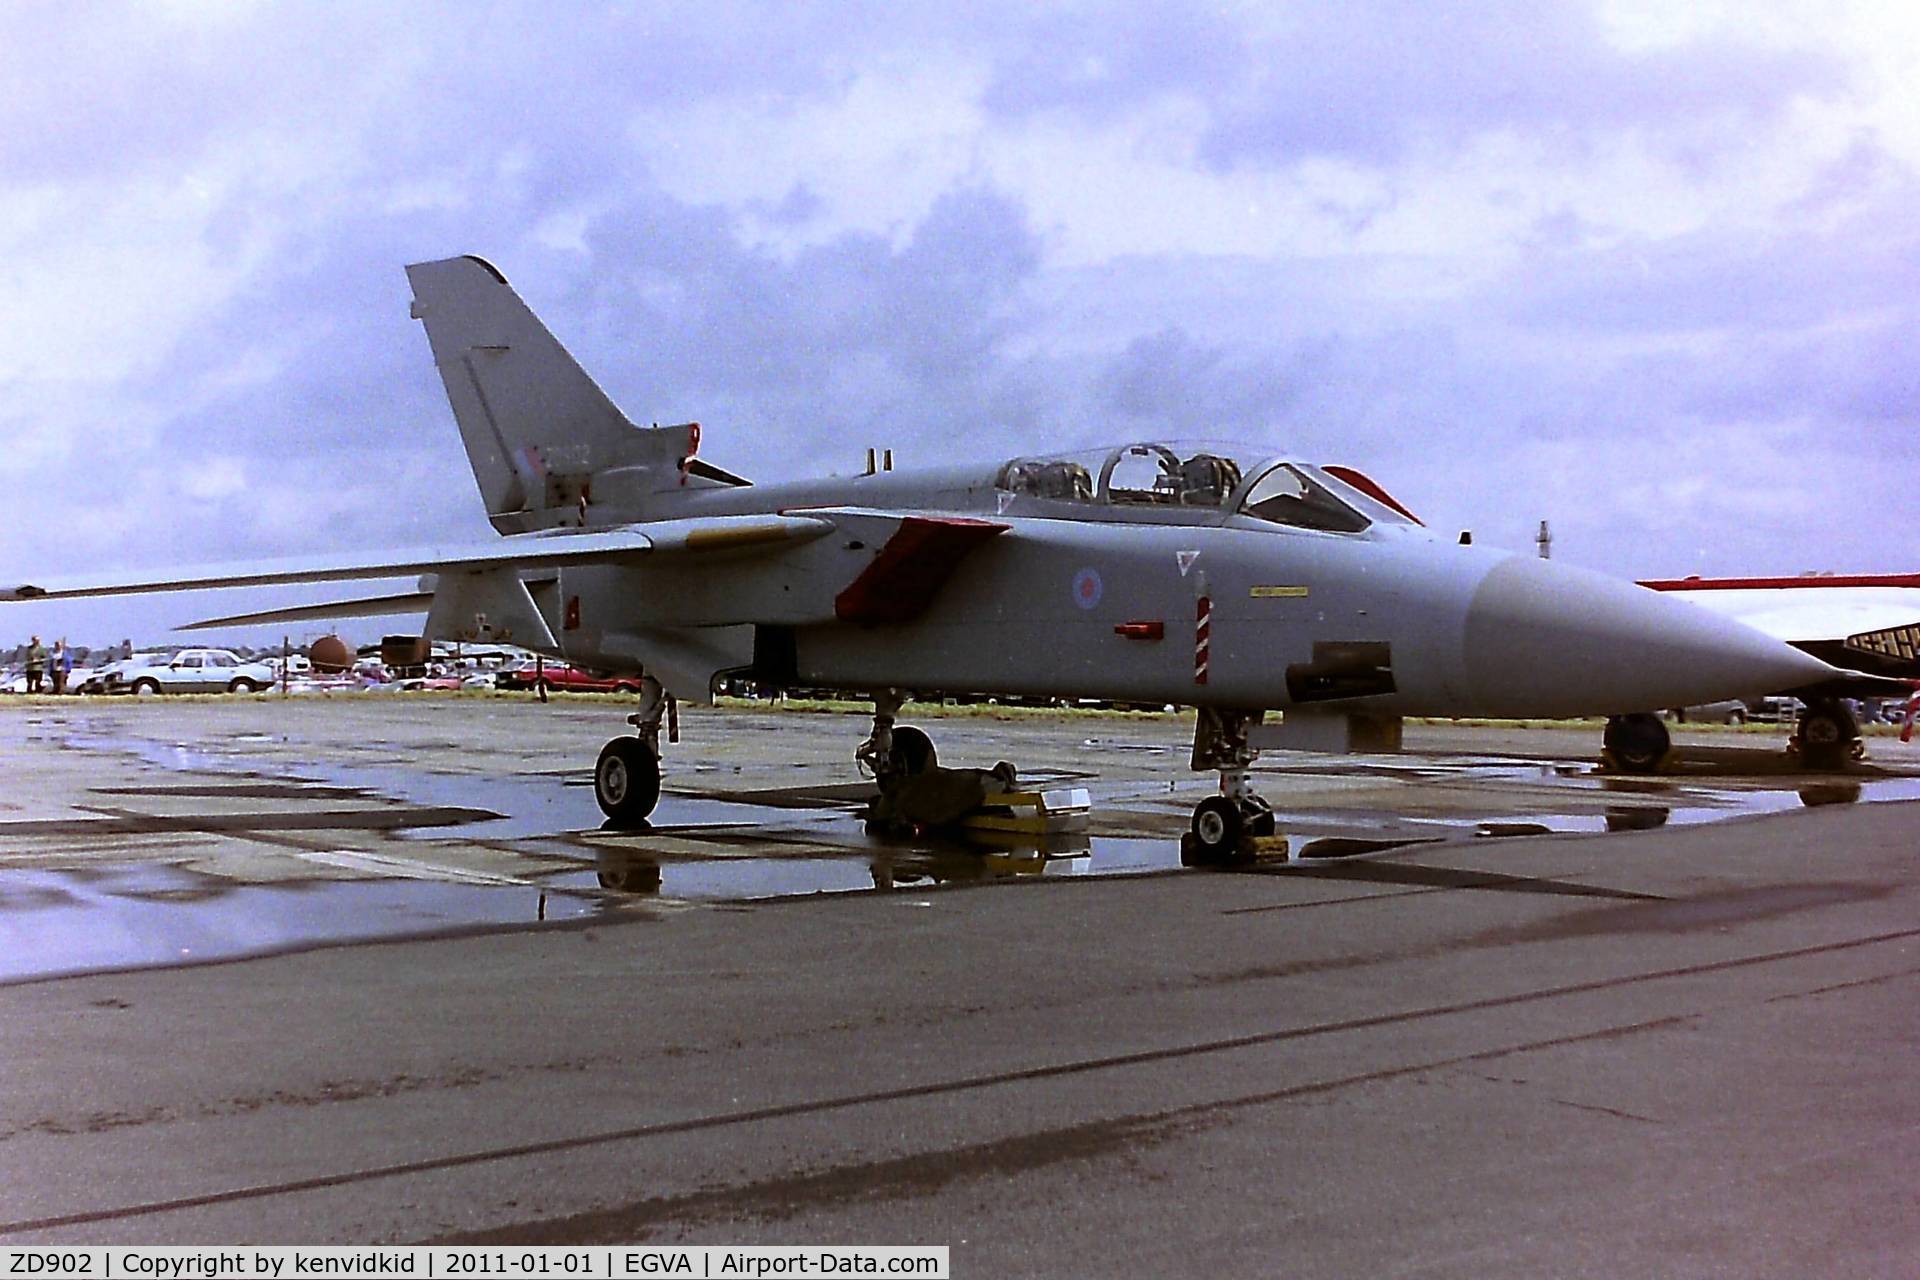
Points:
(1287, 495)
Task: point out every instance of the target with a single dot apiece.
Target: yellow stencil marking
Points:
(1278, 593)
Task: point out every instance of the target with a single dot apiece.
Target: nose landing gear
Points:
(1224, 826)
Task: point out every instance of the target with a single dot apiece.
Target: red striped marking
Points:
(1371, 487)
(1202, 626)
(1776, 584)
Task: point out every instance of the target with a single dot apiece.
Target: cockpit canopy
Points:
(1233, 478)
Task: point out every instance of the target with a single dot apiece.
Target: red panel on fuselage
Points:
(916, 562)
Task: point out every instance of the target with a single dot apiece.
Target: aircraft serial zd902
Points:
(1211, 576)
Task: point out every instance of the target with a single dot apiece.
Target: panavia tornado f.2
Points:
(1214, 576)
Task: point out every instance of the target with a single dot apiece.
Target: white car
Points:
(202, 671)
(116, 676)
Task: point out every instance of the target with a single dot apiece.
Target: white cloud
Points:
(1504, 253)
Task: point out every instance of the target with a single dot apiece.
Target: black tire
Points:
(912, 751)
(1827, 735)
(145, 688)
(626, 780)
(1736, 718)
(1637, 743)
(1218, 825)
(243, 685)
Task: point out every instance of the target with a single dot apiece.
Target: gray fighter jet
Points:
(1221, 577)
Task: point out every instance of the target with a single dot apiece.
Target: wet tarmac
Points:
(1494, 1013)
(332, 835)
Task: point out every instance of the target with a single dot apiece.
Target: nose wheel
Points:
(1225, 826)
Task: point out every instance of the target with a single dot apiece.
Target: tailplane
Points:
(548, 447)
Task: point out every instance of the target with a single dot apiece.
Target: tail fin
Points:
(538, 430)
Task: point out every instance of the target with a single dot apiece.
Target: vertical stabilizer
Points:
(537, 428)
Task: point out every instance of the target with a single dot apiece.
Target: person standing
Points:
(36, 664)
(61, 665)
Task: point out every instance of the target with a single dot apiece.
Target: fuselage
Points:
(1316, 596)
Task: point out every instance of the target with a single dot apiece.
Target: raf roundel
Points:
(1087, 588)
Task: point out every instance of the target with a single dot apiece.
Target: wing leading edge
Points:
(520, 551)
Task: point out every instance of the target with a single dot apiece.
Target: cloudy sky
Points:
(1648, 270)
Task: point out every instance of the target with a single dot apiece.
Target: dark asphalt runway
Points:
(1683, 1051)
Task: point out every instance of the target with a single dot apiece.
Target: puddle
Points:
(729, 846)
(449, 806)
(872, 866)
(148, 915)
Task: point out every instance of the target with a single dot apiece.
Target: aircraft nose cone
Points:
(1550, 640)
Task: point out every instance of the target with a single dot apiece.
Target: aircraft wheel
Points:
(1638, 743)
(626, 781)
(1218, 825)
(912, 751)
(1827, 736)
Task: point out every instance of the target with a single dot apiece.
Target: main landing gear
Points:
(891, 752)
(900, 759)
(626, 780)
(1826, 736)
(1224, 825)
(1824, 739)
(1637, 743)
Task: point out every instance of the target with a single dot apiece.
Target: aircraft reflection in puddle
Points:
(638, 871)
(1822, 793)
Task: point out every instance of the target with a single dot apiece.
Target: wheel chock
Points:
(1266, 847)
(1032, 813)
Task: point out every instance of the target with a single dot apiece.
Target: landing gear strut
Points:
(1223, 824)
(626, 780)
(915, 792)
(1826, 737)
(1637, 743)
(892, 752)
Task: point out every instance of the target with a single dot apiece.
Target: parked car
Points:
(202, 671)
(1729, 711)
(565, 676)
(14, 680)
(114, 677)
(1773, 709)
(438, 681)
